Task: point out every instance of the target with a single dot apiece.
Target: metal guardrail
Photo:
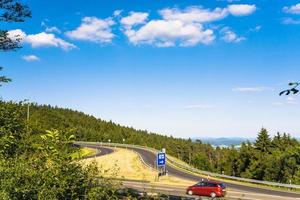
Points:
(194, 170)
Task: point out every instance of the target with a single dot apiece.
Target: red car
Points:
(208, 188)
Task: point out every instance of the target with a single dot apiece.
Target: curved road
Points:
(102, 150)
(149, 158)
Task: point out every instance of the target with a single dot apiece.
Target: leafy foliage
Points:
(8, 43)
(273, 159)
(39, 166)
(3, 79)
(293, 90)
(11, 11)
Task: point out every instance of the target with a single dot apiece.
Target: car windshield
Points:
(222, 185)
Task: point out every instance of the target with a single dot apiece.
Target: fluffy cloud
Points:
(294, 9)
(48, 40)
(16, 34)
(52, 29)
(41, 40)
(176, 27)
(164, 33)
(230, 37)
(241, 9)
(93, 29)
(251, 89)
(194, 14)
(134, 18)
(30, 58)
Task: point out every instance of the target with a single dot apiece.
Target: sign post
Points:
(161, 162)
(161, 159)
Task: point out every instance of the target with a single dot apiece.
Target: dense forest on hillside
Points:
(273, 159)
(38, 164)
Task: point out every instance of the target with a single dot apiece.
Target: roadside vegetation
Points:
(128, 165)
(38, 165)
(271, 159)
(84, 152)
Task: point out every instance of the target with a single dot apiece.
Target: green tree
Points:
(11, 11)
(263, 141)
(3, 79)
(246, 154)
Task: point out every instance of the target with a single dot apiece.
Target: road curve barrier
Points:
(189, 168)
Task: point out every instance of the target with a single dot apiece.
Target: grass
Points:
(126, 164)
(83, 152)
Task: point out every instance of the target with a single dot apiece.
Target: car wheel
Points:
(190, 192)
(213, 195)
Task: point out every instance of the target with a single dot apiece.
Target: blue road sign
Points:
(161, 159)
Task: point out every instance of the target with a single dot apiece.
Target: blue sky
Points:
(181, 68)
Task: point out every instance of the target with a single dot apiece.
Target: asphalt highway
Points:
(149, 159)
(102, 150)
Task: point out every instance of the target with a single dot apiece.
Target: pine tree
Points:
(263, 141)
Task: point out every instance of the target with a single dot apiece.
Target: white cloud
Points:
(230, 36)
(289, 20)
(48, 40)
(164, 33)
(30, 58)
(41, 40)
(251, 89)
(194, 14)
(198, 106)
(175, 28)
(117, 13)
(294, 9)
(52, 29)
(16, 34)
(134, 18)
(180, 27)
(241, 9)
(256, 28)
(93, 29)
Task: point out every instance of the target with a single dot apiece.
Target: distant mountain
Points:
(224, 141)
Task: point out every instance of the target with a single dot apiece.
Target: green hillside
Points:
(257, 162)
(273, 159)
(89, 128)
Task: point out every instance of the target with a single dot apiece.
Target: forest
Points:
(268, 158)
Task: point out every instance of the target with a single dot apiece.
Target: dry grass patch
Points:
(126, 164)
